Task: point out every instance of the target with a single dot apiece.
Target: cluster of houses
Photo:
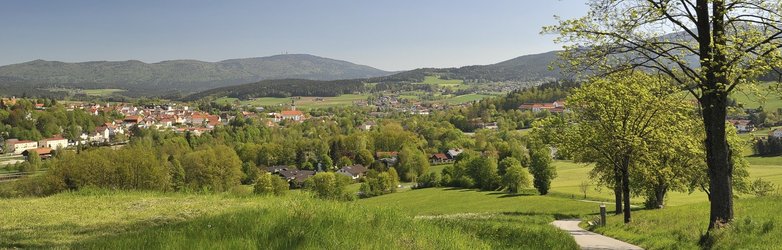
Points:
(444, 158)
(163, 117)
(742, 125)
(43, 147)
(554, 107)
(297, 177)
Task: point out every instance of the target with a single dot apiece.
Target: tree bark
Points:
(626, 188)
(714, 105)
(618, 190)
(659, 196)
(718, 160)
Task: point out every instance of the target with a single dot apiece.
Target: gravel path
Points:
(589, 240)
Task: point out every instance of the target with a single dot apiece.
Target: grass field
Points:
(570, 175)
(465, 98)
(306, 102)
(435, 80)
(769, 98)
(101, 92)
(101, 219)
(756, 226)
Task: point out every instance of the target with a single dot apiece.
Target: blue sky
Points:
(387, 34)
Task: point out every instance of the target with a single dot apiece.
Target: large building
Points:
(53, 143)
(18, 147)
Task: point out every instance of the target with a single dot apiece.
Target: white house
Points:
(18, 147)
(53, 143)
(776, 133)
(354, 172)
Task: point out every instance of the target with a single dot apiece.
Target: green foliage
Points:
(268, 184)
(250, 172)
(483, 170)
(515, 178)
(328, 185)
(432, 179)
(542, 170)
(132, 167)
(379, 183)
(760, 188)
(344, 161)
(215, 168)
(412, 163)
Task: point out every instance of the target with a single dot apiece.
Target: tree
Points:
(365, 157)
(507, 163)
(584, 188)
(344, 161)
(263, 184)
(734, 42)
(34, 159)
(618, 119)
(328, 185)
(412, 163)
(177, 173)
(515, 178)
(542, 170)
(483, 170)
(215, 168)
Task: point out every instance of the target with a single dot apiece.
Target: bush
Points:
(761, 188)
(429, 180)
(328, 185)
(267, 184)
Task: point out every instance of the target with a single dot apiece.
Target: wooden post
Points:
(602, 214)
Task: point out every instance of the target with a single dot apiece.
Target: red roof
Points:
(440, 156)
(291, 112)
(42, 151)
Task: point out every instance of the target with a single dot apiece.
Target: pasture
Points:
(305, 102)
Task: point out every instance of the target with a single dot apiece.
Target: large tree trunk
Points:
(714, 105)
(659, 196)
(718, 159)
(626, 188)
(618, 190)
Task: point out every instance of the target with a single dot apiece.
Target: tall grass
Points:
(757, 226)
(294, 223)
(510, 230)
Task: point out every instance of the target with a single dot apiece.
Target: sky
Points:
(386, 34)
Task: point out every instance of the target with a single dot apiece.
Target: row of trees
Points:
(472, 170)
(642, 135)
(767, 147)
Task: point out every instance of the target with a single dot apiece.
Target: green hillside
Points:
(181, 75)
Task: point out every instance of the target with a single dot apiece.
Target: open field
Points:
(101, 219)
(465, 98)
(441, 201)
(306, 102)
(769, 99)
(101, 92)
(435, 80)
(570, 175)
(756, 226)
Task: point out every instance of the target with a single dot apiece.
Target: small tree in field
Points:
(584, 187)
(515, 178)
(541, 169)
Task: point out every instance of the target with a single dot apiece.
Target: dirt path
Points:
(589, 240)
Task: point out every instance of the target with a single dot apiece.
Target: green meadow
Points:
(306, 102)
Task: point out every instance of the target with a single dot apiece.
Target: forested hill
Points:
(526, 68)
(187, 75)
(283, 88)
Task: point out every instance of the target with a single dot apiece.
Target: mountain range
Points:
(190, 76)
